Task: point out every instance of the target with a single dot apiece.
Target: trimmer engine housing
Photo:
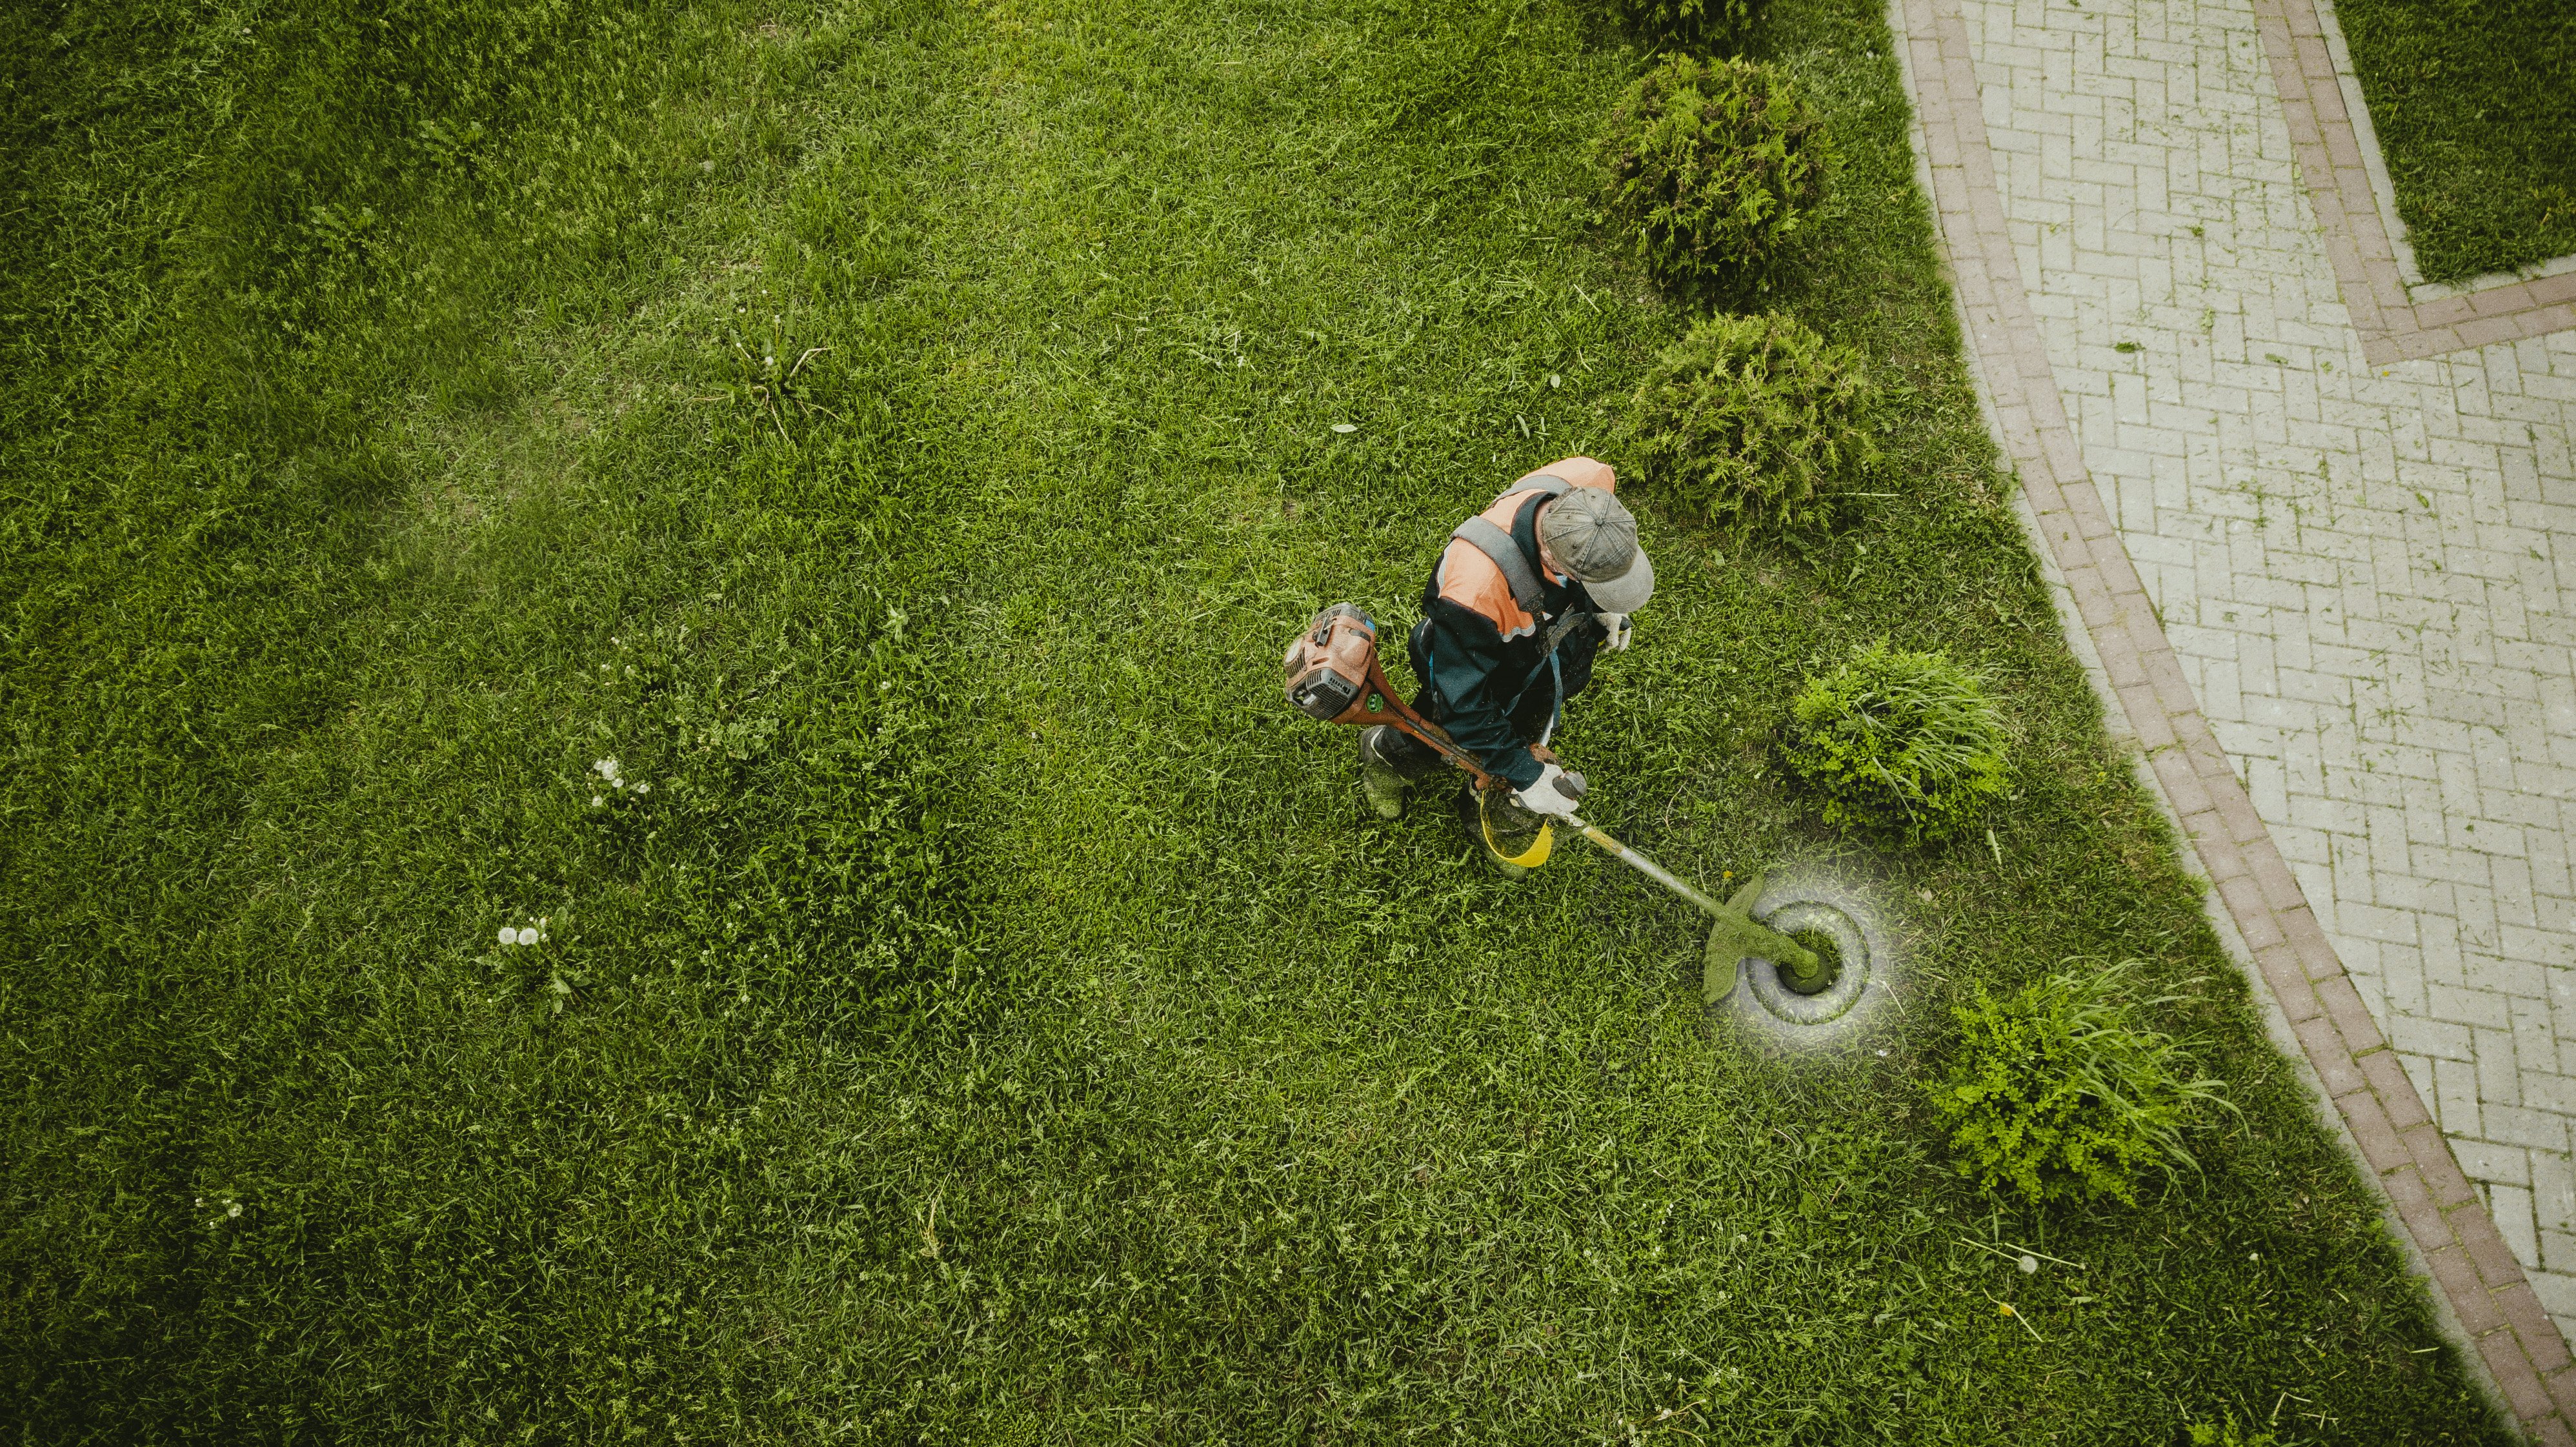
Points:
(1329, 664)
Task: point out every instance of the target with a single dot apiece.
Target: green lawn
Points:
(2475, 105)
(1000, 1021)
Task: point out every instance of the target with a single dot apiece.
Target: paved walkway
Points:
(2325, 556)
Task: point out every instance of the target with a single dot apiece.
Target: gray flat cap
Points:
(1594, 536)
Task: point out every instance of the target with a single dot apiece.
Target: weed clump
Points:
(2225, 1433)
(1702, 25)
(2061, 1090)
(1750, 421)
(1905, 745)
(1714, 165)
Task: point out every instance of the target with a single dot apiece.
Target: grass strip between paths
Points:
(901, 438)
(2475, 106)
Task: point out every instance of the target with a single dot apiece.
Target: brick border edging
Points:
(2394, 326)
(2404, 1151)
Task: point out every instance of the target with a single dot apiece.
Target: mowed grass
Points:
(2475, 106)
(1001, 1021)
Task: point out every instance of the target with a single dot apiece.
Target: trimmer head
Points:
(1736, 934)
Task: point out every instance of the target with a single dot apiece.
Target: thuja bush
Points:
(1751, 422)
(1702, 25)
(1903, 745)
(2063, 1091)
(1713, 165)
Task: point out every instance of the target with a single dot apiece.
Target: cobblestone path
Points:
(2362, 554)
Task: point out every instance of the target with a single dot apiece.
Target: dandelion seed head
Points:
(509, 936)
(2028, 1264)
(233, 1210)
(528, 934)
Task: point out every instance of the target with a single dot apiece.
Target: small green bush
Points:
(2061, 1090)
(1713, 165)
(1750, 422)
(2224, 1433)
(1901, 744)
(1701, 25)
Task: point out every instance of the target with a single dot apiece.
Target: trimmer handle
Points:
(1572, 784)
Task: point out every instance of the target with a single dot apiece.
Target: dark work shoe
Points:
(1379, 779)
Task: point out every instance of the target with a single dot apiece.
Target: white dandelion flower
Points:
(509, 936)
(528, 934)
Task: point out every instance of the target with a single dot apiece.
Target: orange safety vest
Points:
(1472, 580)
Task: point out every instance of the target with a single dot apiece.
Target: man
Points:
(1525, 595)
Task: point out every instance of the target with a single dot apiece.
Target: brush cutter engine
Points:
(1332, 664)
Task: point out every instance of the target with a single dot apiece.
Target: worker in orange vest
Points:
(1526, 594)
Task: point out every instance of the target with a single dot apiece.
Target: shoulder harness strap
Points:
(1497, 544)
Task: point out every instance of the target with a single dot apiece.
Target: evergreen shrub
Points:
(2061, 1091)
(1751, 421)
(1701, 25)
(1713, 165)
(1905, 745)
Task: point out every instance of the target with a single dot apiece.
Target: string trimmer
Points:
(1334, 675)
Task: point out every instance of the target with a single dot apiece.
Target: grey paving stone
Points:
(2357, 563)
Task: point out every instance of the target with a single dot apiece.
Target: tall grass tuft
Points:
(1903, 745)
(2063, 1091)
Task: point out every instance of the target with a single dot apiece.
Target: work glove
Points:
(1621, 635)
(1556, 793)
